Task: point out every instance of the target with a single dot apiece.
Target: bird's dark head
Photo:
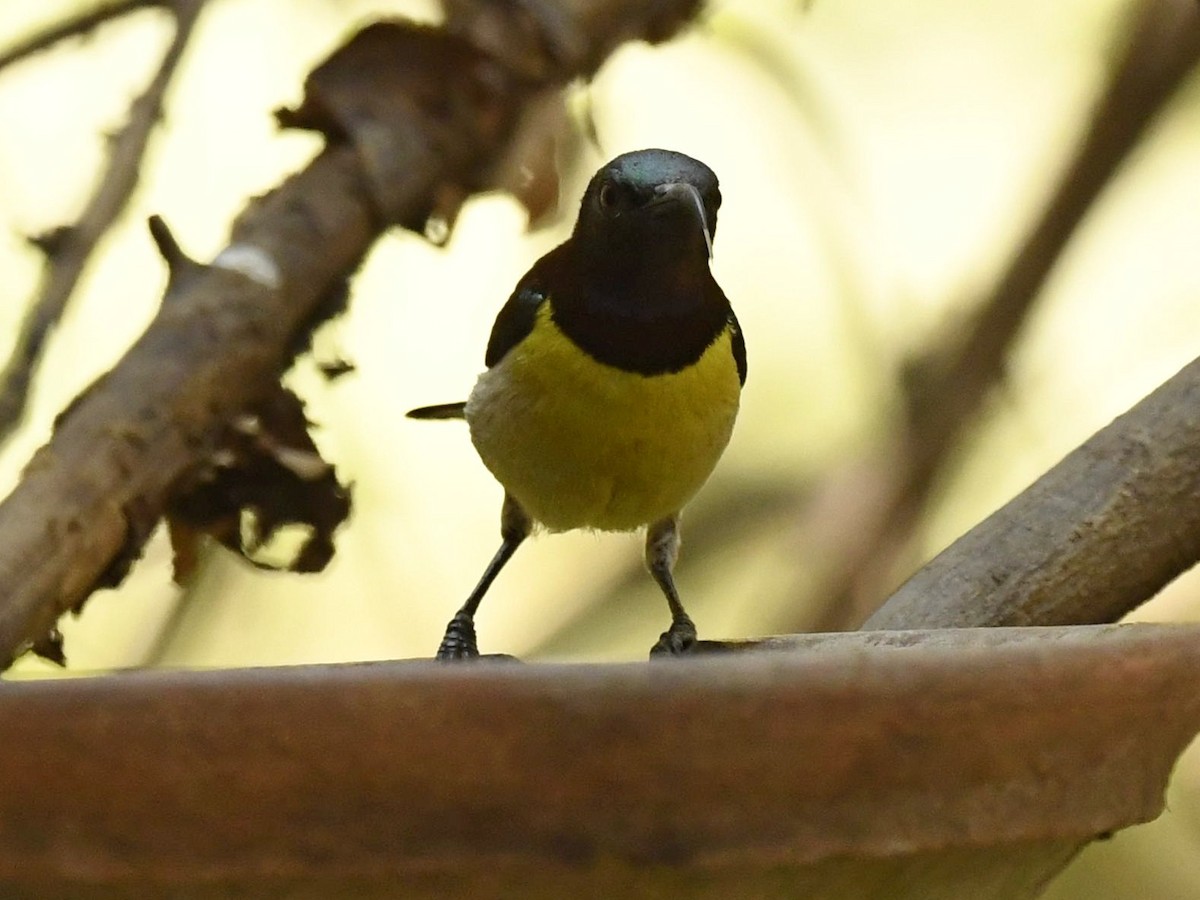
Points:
(632, 287)
(655, 205)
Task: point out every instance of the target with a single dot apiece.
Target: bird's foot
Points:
(459, 640)
(678, 640)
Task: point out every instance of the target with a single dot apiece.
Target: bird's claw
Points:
(459, 641)
(678, 640)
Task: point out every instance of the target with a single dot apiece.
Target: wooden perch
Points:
(908, 766)
(91, 496)
(1095, 537)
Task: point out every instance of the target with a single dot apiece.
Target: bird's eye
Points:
(609, 196)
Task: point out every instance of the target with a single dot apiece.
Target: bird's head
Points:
(652, 204)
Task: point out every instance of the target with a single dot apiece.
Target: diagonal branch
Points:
(68, 249)
(225, 333)
(1092, 539)
(948, 386)
(78, 25)
(1163, 51)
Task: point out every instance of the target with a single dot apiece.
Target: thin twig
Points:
(75, 26)
(70, 248)
(180, 266)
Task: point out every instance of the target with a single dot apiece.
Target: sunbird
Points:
(613, 377)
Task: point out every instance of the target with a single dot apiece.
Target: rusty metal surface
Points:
(849, 755)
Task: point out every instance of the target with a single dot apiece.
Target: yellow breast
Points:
(581, 444)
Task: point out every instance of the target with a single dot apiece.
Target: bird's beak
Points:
(682, 192)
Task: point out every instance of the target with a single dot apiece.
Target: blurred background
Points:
(880, 162)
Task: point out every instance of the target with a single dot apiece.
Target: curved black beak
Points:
(686, 194)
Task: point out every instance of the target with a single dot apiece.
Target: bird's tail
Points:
(440, 411)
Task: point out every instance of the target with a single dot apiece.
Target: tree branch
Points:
(78, 25)
(1163, 51)
(947, 386)
(220, 341)
(1089, 541)
(69, 249)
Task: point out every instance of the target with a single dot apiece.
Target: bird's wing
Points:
(512, 326)
(514, 322)
(739, 346)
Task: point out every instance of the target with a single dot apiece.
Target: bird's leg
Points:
(459, 640)
(662, 549)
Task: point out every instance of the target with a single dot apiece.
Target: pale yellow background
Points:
(878, 161)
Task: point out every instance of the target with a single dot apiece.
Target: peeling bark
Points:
(224, 334)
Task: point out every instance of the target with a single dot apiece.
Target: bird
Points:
(612, 380)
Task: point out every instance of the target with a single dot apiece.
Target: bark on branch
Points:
(1089, 541)
(224, 334)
